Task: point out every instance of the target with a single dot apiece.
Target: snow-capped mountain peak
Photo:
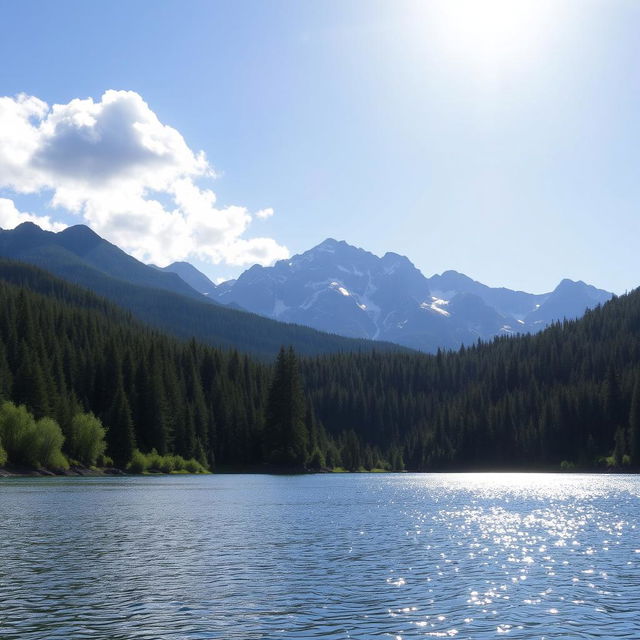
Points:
(343, 289)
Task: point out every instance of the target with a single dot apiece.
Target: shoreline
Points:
(11, 471)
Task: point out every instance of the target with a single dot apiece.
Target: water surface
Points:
(330, 556)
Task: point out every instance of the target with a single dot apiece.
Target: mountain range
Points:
(163, 299)
(342, 289)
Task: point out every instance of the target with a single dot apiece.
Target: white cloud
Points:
(130, 177)
(10, 217)
(255, 250)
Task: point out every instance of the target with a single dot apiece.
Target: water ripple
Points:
(352, 556)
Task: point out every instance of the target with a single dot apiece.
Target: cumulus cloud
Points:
(10, 217)
(130, 177)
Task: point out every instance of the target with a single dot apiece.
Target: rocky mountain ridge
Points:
(339, 288)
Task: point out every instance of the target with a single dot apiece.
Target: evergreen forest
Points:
(82, 380)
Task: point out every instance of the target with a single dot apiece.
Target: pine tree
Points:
(285, 433)
(152, 431)
(120, 434)
(30, 386)
(6, 378)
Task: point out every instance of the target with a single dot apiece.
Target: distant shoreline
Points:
(9, 472)
(12, 471)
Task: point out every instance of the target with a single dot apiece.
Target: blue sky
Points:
(497, 138)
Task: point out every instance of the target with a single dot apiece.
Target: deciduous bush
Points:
(15, 422)
(87, 439)
(153, 461)
(105, 461)
(138, 463)
(47, 445)
(29, 442)
(193, 466)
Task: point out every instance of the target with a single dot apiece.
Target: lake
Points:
(320, 556)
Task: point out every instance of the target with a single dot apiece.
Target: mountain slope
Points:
(79, 246)
(184, 316)
(193, 277)
(568, 300)
(339, 288)
(508, 303)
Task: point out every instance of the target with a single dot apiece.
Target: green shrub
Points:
(179, 463)
(47, 445)
(3, 455)
(15, 422)
(87, 438)
(193, 466)
(167, 465)
(104, 461)
(29, 442)
(138, 463)
(154, 460)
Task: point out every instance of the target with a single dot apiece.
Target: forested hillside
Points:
(571, 393)
(62, 350)
(161, 299)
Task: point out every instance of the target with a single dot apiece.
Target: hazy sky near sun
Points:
(499, 138)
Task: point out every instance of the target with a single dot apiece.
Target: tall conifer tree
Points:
(120, 434)
(285, 431)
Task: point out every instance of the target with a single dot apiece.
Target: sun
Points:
(489, 34)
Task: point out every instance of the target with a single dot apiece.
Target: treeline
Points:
(151, 392)
(32, 444)
(570, 394)
(65, 352)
